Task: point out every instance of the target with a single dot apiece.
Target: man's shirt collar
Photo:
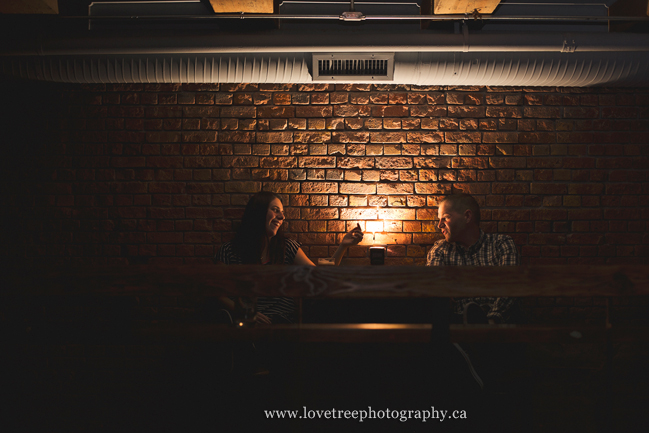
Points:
(475, 247)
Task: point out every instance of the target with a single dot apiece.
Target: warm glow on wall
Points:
(387, 226)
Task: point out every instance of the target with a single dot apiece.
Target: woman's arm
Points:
(226, 302)
(351, 238)
(302, 259)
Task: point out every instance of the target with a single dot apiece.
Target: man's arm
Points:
(506, 252)
(507, 256)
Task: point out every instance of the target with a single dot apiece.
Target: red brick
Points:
(510, 188)
(394, 188)
(237, 137)
(575, 137)
(243, 187)
(470, 162)
(548, 188)
(463, 137)
(239, 112)
(325, 111)
(544, 162)
(204, 188)
(240, 161)
(312, 137)
(471, 188)
(319, 187)
(355, 162)
(427, 111)
(398, 98)
(164, 238)
(388, 137)
(466, 111)
(273, 137)
(353, 87)
(548, 214)
(586, 188)
(580, 113)
(275, 112)
(426, 214)
(389, 111)
(350, 137)
(581, 162)
(584, 238)
(317, 161)
(319, 214)
(352, 111)
(282, 187)
(393, 163)
(511, 112)
(416, 98)
(507, 162)
(542, 112)
(537, 137)
(323, 87)
(432, 162)
(358, 214)
(396, 214)
(500, 137)
(622, 214)
(133, 161)
(199, 137)
(424, 137)
(278, 162)
(357, 188)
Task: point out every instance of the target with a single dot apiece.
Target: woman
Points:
(260, 240)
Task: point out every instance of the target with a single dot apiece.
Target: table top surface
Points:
(330, 281)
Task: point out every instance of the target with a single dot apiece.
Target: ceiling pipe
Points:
(219, 43)
(457, 69)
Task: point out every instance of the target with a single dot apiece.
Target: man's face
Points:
(452, 224)
(274, 217)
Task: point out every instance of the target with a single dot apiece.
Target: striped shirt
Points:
(490, 250)
(278, 309)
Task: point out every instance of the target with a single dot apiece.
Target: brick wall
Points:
(160, 173)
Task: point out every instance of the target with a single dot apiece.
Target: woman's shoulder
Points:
(292, 247)
(292, 244)
(225, 247)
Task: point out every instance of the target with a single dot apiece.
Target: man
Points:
(465, 244)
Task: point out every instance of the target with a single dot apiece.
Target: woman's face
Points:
(274, 217)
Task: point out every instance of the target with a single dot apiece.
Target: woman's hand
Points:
(353, 237)
(262, 318)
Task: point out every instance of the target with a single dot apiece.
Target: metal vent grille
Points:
(353, 67)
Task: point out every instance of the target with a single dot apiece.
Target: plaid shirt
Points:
(490, 250)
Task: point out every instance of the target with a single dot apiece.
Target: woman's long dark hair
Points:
(249, 240)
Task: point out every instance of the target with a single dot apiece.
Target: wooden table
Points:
(441, 283)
